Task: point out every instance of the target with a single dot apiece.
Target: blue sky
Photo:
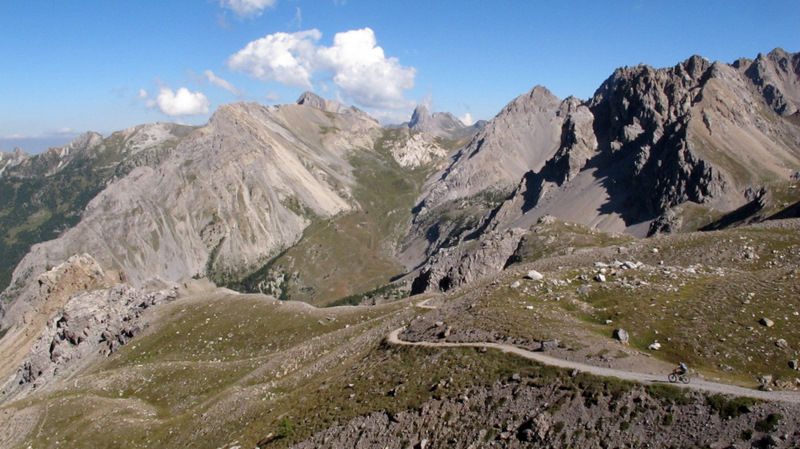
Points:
(100, 65)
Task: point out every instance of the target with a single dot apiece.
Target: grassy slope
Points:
(703, 304)
(230, 358)
(223, 369)
(354, 252)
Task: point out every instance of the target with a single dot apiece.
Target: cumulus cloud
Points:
(142, 94)
(467, 119)
(181, 102)
(287, 58)
(364, 73)
(219, 82)
(247, 8)
(358, 66)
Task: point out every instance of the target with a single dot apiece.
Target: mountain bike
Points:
(675, 377)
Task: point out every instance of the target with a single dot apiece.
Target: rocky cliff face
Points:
(221, 200)
(648, 143)
(520, 138)
(45, 194)
(230, 196)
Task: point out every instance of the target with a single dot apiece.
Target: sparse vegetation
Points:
(353, 252)
(669, 395)
(728, 408)
(285, 428)
(393, 291)
(769, 423)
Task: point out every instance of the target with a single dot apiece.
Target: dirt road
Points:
(696, 384)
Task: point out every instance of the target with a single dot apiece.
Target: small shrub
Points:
(746, 435)
(599, 424)
(285, 428)
(727, 409)
(625, 425)
(669, 395)
(669, 419)
(769, 423)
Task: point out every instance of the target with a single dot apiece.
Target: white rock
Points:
(535, 275)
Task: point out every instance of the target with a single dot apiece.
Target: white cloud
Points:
(273, 97)
(247, 8)
(219, 82)
(467, 119)
(389, 116)
(357, 64)
(282, 57)
(427, 101)
(297, 21)
(142, 94)
(364, 73)
(64, 130)
(181, 102)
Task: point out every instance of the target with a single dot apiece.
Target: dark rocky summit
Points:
(653, 151)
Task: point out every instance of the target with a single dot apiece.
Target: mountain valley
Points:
(236, 284)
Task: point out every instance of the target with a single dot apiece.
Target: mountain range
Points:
(317, 202)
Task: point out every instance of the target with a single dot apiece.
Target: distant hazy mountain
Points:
(440, 124)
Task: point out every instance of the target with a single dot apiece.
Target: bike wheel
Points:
(673, 377)
(685, 379)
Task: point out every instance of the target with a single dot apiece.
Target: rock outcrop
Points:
(8, 160)
(415, 149)
(465, 263)
(92, 323)
(47, 296)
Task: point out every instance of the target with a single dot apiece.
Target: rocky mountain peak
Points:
(775, 75)
(19, 153)
(420, 118)
(8, 160)
(315, 101)
(440, 124)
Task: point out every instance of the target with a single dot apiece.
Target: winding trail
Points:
(696, 384)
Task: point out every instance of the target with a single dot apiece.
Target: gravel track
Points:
(696, 384)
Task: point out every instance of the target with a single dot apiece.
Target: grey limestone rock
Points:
(90, 324)
(464, 263)
(621, 335)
